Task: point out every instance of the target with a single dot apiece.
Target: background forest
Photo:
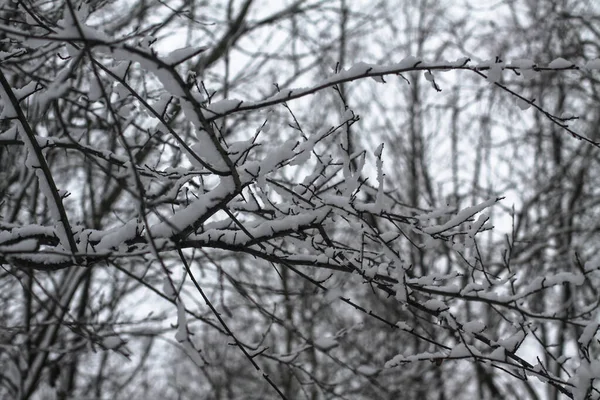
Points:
(368, 221)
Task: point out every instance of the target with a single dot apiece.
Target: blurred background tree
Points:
(451, 140)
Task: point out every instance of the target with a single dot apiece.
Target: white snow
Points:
(408, 62)
(181, 335)
(583, 378)
(473, 327)
(495, 72)
(221, 107)
(511, 343)
(168, 288)
(499, 354)
(588, 333)
(522, 63)
(26, 245)
(112, 342)
(197, 209)
(367, 370)
(192, 353)
(389, 236)
(207, 152)
(117, 236)
(178, 56)
(10, 134)
(326, 343)
(435, 305)
(525, 67)
(593, 64)
(522, 104)
(560, 63)
(460, 351)
(120, 70)
(461, 217)
(400, 358)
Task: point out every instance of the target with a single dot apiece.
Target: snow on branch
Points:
(170, 181)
